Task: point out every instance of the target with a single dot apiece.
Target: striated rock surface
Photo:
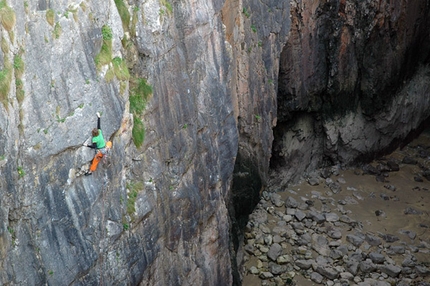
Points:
(192, 150)
(154, 215)
(256, 32)
(351, 81)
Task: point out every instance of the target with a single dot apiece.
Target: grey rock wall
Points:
(156, 215)
(53, 223)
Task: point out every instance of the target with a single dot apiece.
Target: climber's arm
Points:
(92, 145)
(98, 122)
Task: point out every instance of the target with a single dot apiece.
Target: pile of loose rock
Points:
(316, 236)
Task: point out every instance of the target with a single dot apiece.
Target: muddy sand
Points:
(382, 204)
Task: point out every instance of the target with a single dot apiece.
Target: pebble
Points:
(327, 246)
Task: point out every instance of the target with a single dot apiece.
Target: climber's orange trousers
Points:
(96, 161)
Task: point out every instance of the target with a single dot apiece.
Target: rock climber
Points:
(99, 144)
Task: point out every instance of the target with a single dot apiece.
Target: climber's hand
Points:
(84, 144)
(98, 114)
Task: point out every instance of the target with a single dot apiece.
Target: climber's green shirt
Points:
(100, 142)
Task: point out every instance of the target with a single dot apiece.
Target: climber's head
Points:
(95, 132)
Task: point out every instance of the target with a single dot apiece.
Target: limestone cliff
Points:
(189, 94)
(158, 73)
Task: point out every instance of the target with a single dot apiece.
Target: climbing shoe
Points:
(88, 173)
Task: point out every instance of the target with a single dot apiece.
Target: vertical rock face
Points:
(52, 224)
(160, 213)
(256, 33)
(342, 92)
(190, 146)
(156, 215)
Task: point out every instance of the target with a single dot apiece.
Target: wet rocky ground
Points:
(368, 225)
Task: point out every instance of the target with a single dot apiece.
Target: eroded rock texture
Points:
(164, 213)
(343, 82)
(156, 215)
(256, 32)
